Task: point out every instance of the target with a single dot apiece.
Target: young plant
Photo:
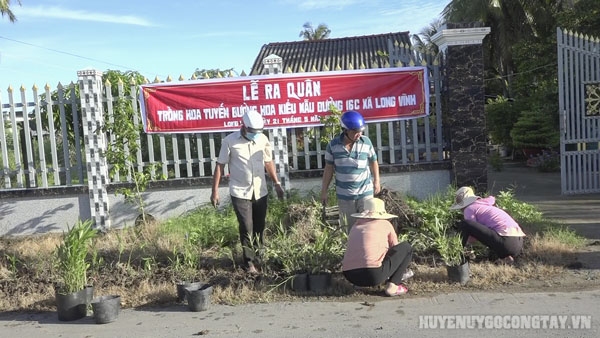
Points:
(285, 252)
(325, 253)
(450, 249)
(121, 153)
(13, 260)
(331, 124)
(185, 260)
(71, 256)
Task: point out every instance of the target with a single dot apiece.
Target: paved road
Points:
(505, 314)
(384, 318)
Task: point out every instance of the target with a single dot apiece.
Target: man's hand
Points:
(279, 191)
(324, 197)
(214, 199)
(376, 188)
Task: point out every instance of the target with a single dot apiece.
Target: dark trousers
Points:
(251, 216)
(392, 268)
(502, 246)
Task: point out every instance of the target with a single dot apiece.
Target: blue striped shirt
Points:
(352, 170)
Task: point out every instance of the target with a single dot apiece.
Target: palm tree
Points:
(5, 9)
(508, 23)
(309, 33)
(422, 41)
(511, 22)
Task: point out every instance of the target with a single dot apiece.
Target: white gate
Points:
(579, 104)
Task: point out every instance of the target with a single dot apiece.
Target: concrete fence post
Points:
(90, 92)
(461, 47)
(273, 65)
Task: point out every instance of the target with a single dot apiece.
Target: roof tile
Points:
(331, 54)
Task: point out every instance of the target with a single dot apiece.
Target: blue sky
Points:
(53, 39)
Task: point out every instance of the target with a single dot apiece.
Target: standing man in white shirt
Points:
(248, 153)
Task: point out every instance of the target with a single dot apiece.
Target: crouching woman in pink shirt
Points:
(373, 254)
(490, 225)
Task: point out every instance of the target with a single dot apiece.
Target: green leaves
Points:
(308, 246)
(71, 256)
(450, 248)
(535, 129)
(331, 124)
(122, 150)
(522, 212)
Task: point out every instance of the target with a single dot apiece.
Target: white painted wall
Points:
(35, 215)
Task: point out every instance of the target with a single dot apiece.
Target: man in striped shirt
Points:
(352, 158)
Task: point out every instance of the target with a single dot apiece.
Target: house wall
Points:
(54, 211)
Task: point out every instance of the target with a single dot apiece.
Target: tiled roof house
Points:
(331, 54)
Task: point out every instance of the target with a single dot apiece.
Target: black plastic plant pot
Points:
(198, 297)
(72, 306)
(458, 273)
(319, 282)
(106, 308)
(181, 289)
(299, 282)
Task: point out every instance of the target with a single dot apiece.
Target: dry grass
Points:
(550, 251)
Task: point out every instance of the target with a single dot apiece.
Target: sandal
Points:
(400, 291)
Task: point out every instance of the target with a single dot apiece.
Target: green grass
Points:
(563, 234)
(206, 227)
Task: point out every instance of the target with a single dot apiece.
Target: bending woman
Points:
(488, 224)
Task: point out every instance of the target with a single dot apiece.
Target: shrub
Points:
(535, 129)
(501, 114)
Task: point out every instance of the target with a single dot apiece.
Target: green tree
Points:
(309, 33)
(128, 78)
(520, 56)
(534, 130)
(508, 24)
(5, 9)
(583, 17)
(501, 114)
(422, 41)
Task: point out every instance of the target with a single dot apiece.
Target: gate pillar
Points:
(273, 65)
(461, 47)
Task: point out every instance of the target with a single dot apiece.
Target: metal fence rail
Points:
(40, 150)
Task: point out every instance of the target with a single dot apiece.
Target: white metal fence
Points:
(42, 143)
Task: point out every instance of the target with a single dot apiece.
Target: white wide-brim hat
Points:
(375, 209)
(463, 198)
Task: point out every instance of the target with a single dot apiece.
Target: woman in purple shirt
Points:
(488, 224)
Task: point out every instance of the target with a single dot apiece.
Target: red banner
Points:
(284, 100)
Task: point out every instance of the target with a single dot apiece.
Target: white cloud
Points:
(60, 13)
(319, 4)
